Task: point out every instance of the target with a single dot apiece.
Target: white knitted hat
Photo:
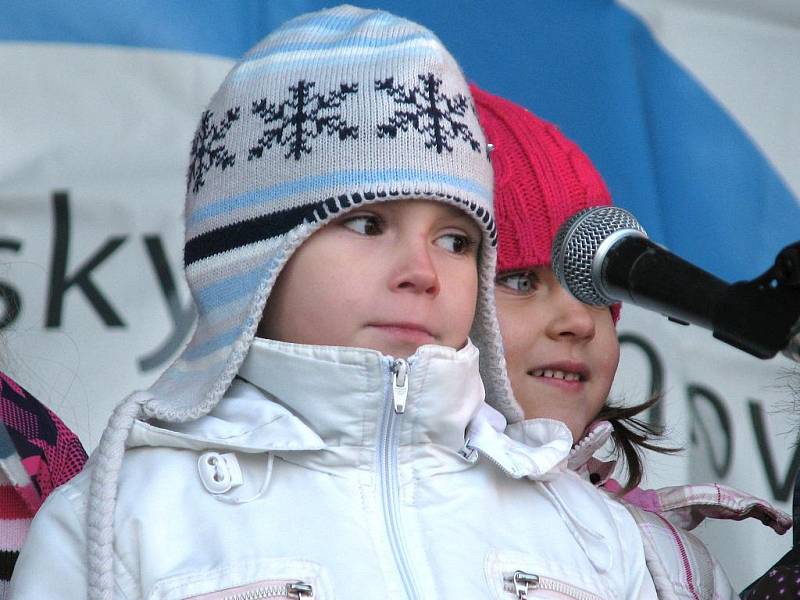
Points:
(334, 110)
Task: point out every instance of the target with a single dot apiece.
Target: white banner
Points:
(91, 236)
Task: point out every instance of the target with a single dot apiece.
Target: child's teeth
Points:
(555, 374)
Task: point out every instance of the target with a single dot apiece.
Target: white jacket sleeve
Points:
(52, 562)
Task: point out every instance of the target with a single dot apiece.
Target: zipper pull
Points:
(523, 582)
(300, 590)
(400, 385)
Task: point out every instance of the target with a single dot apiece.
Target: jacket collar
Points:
(295, 397)
(343, 393)
(304, 397)
(594, 438)
(536, 448)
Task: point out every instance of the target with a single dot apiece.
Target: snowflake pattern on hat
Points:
(208, 151)
(428, 111)
(304, 116)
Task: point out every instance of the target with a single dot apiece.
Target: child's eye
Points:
(456, 243)
(364, 224)
(522, 282)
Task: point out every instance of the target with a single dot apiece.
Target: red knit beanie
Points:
(540, 179)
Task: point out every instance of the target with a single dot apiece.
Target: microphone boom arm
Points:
(762, 316)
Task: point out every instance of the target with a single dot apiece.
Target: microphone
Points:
(602, 256)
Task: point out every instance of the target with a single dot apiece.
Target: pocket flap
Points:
(269, 578)
(273, 589)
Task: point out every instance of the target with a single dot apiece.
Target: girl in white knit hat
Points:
(324, 433)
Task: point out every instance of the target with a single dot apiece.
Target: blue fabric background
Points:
(667, 149)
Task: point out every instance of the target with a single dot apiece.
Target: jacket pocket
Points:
(513, 576)
(523, 585)
(271, 589)
(264, 579)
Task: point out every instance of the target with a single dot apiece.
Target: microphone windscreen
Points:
(578, 250)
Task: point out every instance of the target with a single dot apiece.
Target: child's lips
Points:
(410, 332)
(560, 384)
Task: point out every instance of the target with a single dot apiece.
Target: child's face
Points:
(561, 354)
(391, 276)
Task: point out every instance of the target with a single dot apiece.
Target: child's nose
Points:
(571, 318)
(415, 269)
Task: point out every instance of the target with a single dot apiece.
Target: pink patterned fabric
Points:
(681, 566)
(649, 500)
(49, 451)
(37, 454)
(686, 506)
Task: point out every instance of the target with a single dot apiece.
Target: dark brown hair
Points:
(631, 434)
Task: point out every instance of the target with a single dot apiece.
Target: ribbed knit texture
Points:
(37, 454)
(15, 521)
(541, 178)
(334, 110)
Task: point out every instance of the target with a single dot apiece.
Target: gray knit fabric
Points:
(332, 111)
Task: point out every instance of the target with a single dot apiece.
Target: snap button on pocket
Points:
(219, 472)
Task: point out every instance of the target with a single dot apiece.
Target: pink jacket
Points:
(681, 566)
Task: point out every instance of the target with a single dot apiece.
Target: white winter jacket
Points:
(326, 473)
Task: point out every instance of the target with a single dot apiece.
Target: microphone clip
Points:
(762, 316)
(786, 270)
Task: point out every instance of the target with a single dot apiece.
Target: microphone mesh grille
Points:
(576, 244)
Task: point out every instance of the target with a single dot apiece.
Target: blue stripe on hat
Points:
(225, 338)
(214, 318)
(357, 180)
(228, 290)
(320, 58)
(359, 42)
(272, 225)
(335, 22)
(186, 373)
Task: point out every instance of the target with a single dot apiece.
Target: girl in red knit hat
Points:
(562, 355)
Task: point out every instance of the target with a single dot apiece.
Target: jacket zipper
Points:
(394, 409)
(299, 590)
(522, 583)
